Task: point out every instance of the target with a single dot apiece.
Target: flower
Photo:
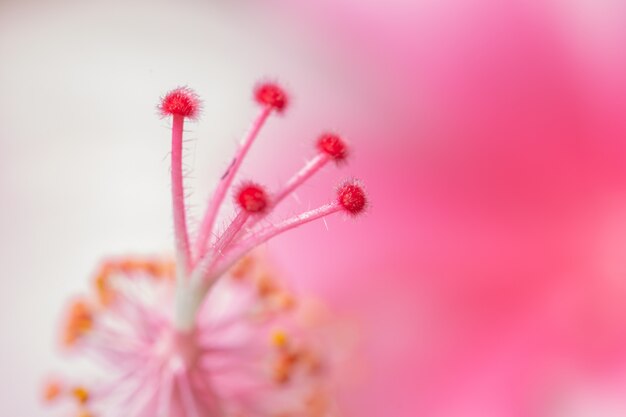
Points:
(212, 332)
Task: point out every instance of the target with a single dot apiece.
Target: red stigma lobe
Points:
(271, 95)
(352, 198)
(252, 198)
(333, 146)
(181, 101)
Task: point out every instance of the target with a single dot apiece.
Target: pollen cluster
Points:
(252, 336)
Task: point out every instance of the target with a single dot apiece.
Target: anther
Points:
(81, 394)
(52, 391)
(279, 339)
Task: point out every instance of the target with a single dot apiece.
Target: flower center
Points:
(178, 348)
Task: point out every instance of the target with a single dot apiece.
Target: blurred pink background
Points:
(488, 279)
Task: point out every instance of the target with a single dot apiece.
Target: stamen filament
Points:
(215, 203)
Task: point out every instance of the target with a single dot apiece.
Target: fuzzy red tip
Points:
(333, 146)
(252, 198)
(271, 95)
(181, 101)
(351, 196)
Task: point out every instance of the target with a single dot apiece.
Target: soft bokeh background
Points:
(488, 279)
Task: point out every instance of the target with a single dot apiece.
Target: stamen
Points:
(242, 268)
(279, 339)
(284, 367)
(282, 371)
(102, 284)
(52, 391)
(284, 301)
(79, 322)
(81, 395)
(266, 285)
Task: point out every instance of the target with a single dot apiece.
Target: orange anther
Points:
(312, 362)
(103, 288)
(161, 269)
(292, 357)
(131, 265)
(283, 367)
(266, 285)
(279, 339)
(81, 395)
(317, 404)
(52, 391)
(284, 301)
(242, 268)
(79, 322)
(282, 371)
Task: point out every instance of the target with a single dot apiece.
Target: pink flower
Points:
(212, 332)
